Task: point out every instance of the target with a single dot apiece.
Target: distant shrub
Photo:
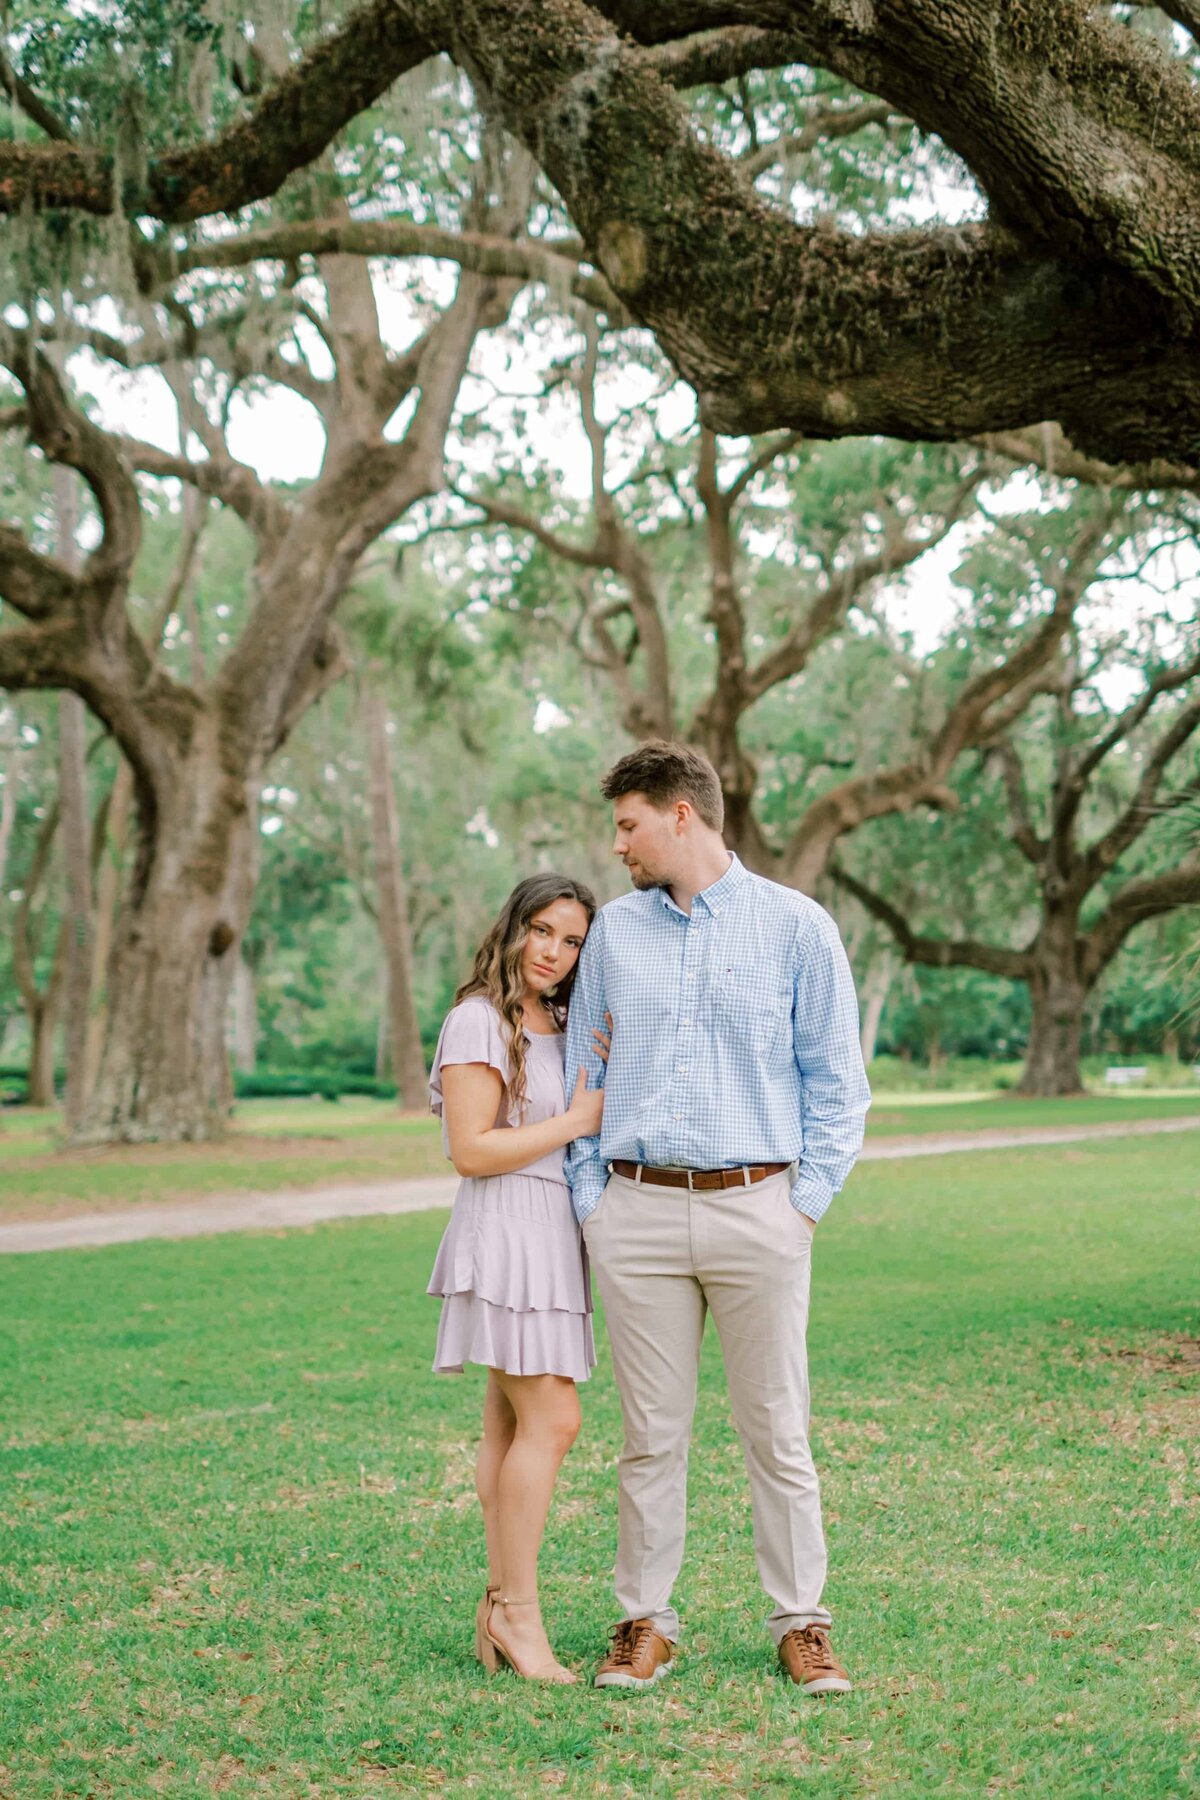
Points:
(309, 1084)
(14, 1084)
(263, 1084)
(896, 1075)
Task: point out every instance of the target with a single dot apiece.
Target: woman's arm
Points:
(478, 1146)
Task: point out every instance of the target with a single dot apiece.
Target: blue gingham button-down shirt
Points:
(735, 1038)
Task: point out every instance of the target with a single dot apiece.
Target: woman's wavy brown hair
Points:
(497, 972)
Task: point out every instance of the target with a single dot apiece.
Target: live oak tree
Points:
(1069, 827)
(198, 751)
(1072, 295)
(197, 742)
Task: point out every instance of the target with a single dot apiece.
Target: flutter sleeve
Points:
(472, 1033)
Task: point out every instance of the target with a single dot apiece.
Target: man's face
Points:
(647, 840)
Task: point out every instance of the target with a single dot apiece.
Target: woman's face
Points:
(551, 950)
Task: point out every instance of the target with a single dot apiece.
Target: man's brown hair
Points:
(664, 773)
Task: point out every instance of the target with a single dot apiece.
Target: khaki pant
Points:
(663, 1258)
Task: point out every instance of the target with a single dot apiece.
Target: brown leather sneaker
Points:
(807, 1657)
(638, 1656)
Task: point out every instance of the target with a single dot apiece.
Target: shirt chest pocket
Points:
(751, 1011)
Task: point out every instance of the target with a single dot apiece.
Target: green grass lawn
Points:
(305, 1144)
(239, 1550)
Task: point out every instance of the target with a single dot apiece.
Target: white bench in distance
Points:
(1122, 1077)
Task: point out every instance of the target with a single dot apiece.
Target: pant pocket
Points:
(601, 1206)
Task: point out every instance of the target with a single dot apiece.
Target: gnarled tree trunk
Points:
(1059, 994)
(164, 1073)
(1052, 1060)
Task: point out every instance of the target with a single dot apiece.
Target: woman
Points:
(511, 1266)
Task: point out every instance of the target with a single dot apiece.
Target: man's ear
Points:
(683, 814)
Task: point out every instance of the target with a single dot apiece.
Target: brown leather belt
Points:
(698, 1178)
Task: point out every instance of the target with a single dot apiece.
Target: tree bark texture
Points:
(72, 787)
(1058, 990)
(110, 869)
(1085, 140)
(1078, 300)
(1055, 1034)
(164, 1072)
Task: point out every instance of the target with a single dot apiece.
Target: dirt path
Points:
(273, 1212)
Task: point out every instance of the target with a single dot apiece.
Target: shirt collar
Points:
(719, 894)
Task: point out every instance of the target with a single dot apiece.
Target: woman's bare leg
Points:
(546, 1408)
(499, 1424)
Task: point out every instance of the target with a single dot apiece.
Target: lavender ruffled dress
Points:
(511, 1267)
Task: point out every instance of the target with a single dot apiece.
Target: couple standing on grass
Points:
(717, 1011)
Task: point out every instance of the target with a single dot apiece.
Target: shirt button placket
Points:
(691, 950)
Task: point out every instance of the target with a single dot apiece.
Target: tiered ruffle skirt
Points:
(512, 1272)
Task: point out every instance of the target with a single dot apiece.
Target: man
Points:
(733, 1112)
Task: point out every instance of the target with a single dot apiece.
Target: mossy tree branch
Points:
(31, 103)
(1135, 903)
(520, 259)
(1046, 447)
(823, 122)
(1146, 804)
(38, 586)
(933, 334)
(294, 120)
(934, 953)
(984, 709)
(1078, 301)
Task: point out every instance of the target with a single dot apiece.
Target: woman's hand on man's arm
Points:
(471, 1097)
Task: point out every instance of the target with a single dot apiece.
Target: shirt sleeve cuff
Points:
(810, 1195)
(587, 1185)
